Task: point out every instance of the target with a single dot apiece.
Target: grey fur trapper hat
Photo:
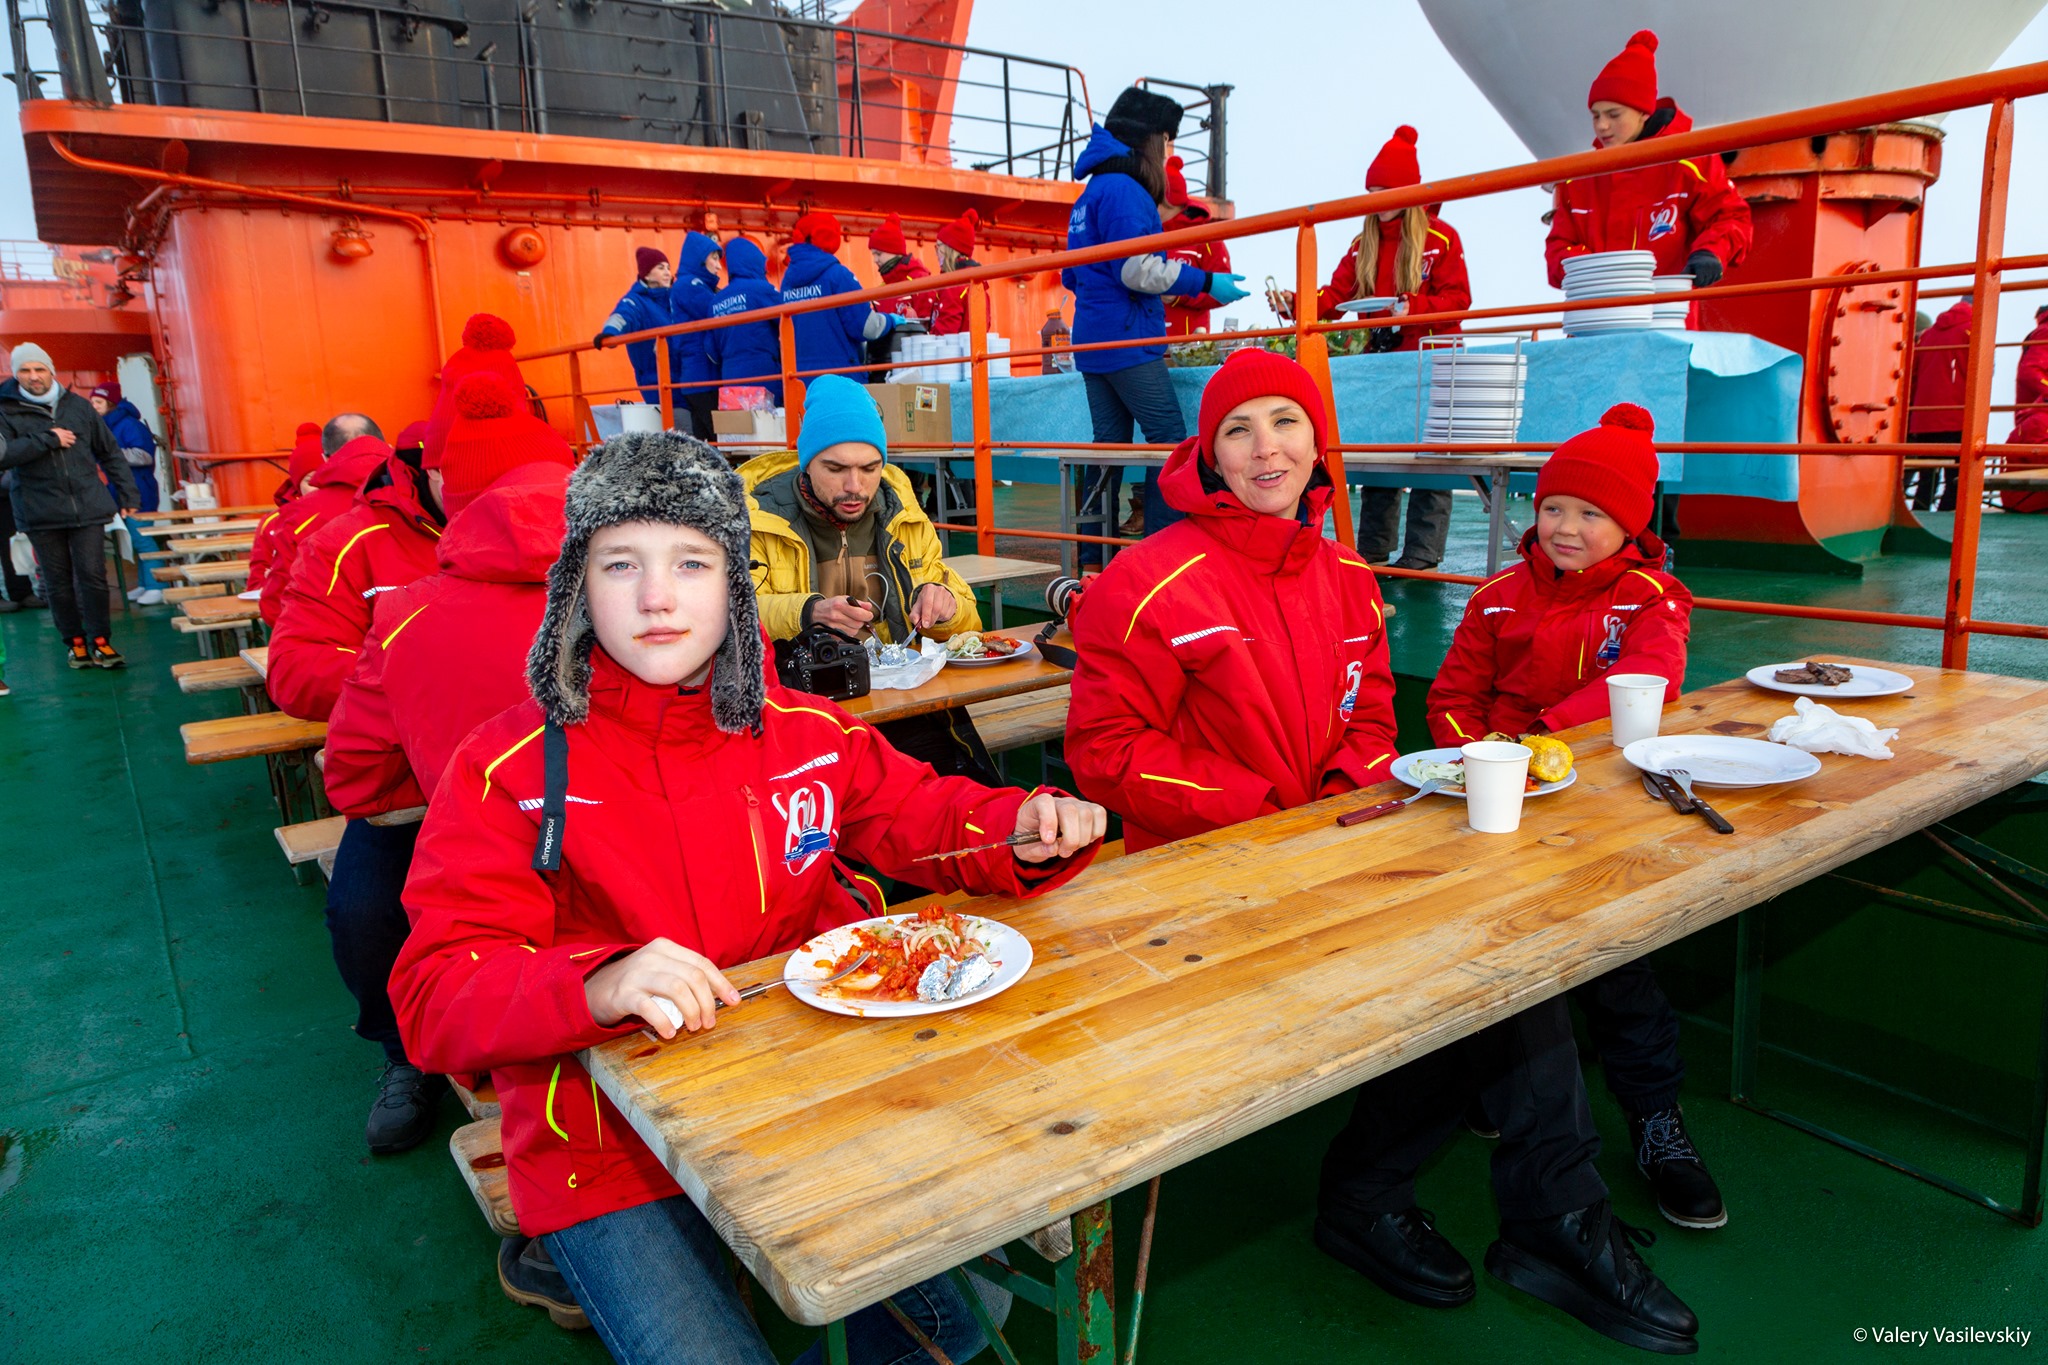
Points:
(650, 476)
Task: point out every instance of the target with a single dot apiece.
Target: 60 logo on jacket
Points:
(807, 825)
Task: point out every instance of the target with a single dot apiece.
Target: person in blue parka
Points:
(746, 352)
(1124, 164)
(647, 304)
(831, 338)
(689, 300)
(138, 449)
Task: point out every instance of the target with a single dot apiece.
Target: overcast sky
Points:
(1320, 86)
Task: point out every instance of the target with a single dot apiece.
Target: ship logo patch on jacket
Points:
(1610, 648)
(1663, 221)
(1354, 675)
(807, 826)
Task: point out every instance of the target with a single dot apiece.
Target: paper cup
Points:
(1636, 702)
(1495, 775)
(644, 417)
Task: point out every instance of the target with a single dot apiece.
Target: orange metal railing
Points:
(1984, 273)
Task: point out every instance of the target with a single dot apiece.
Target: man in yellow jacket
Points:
(839, 539)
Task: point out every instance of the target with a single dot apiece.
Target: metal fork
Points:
(1699, 803)
(763, 987)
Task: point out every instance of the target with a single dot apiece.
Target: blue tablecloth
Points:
(1699, 386)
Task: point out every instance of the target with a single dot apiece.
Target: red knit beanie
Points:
(959, 234)
(821, 230)
(888, 238)
(1253, 373)
(1176, 182)
(1631, 78)
(414, 437)
(306, 454)
(491, 432)
(486, 349)
(1613, 466)
(1395, 167)
(645, 258)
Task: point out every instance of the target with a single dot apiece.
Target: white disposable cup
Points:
(1636, 702)
(639, 417)
(1496, 774)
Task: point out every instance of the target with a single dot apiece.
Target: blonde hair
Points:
(1407, 260)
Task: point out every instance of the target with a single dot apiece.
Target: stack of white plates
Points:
(1474, 396)
(1608, 275)
(1670, 316)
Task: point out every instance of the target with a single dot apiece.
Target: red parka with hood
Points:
(1189, 314)
(399, 720)
(335, 484)
(2031, 431)
(1537, 643)
(1232, 665)
(724, 843)
(1445, 287)
(2030, 385)
(921, 306)
(379, 545)
(1673, 210)
(1939, 363)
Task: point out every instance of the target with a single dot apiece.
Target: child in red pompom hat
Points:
(894, 263)
(1533, 653)
(1631, 77)
(487, 342)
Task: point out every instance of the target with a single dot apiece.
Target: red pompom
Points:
(487, 332)
(1644, 39)
(1630, 416)
(484, 396)
(1407, 135)
(307, 429)
(971, 218)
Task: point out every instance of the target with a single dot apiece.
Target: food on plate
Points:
(1815, 674)
(934, 957)
(1438, 770)
(1551, 759)
(972, 644)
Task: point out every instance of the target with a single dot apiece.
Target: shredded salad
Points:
(936, 955)
(972, 644)
(1452, 771)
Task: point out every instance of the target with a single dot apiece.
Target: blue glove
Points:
(1227, 288)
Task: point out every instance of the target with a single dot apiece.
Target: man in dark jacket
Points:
(57, 450)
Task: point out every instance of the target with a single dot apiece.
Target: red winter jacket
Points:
(1940, 358)
(1189, 314)
(949, 315)
(1537, 644)
(920, 306)
(1232, 665)
(334, 491)
(1445, 286)
(2031, 431)
(263, 546)
(677, 830)
(398, 720)
(2030, 386)
(381, 544)
(1674, 210)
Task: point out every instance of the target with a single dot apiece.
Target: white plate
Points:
(1866, 682)
(1591, 258)
(1030, 651)
(1723, 760)
(1007, 948)
(1378, 303)
(1401, 771)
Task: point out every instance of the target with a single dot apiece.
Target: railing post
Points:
(1962, 552)
(661, 379)
(579, 406)
(984, 444)
(1314, 354)
(792, 387)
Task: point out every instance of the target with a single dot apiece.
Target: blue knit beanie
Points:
(837, 409)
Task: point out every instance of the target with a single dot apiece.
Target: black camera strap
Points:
(1058, 655)
(554, 801)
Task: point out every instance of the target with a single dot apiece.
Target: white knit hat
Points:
(28, 353)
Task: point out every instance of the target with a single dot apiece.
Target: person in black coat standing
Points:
(56, 451)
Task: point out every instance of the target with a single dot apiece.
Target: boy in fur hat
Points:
(699, 816)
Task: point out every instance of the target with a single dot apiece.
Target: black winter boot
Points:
(1585, 1262)
(1402, 1253)
(1686, 1194)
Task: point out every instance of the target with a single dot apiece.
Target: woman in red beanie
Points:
(1685, 211)
(1533, 653)
(1187, 314)
(894, 263)
(956, 252)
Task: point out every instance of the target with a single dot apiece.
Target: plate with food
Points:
(1723, 760)
(924, 962)
(1817, 678)
(978, 649)
(1448, 767)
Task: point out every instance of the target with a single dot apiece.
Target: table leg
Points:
(1749, 1001)
(1084, 1291)
(835, 1343)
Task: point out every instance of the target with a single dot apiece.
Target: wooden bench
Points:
(482, 1102)
(204, 545)
(479, 1153)
(306, 841)
(1025, 719)
(214, 675)
(215, 571)
(186, 592)
(177, 517)
(273, 732)
(207, 610)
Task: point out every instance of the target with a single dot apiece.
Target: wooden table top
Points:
(2018, 479)
(1185, 996)
(965, 686)
(258, 658)
(211, 609)
(975, 570)
(211, 529)
(210, 545)
(193, 513)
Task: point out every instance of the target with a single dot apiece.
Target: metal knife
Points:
(1664, 789)
(1700, 807)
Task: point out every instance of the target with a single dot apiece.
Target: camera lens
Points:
(1059, 595)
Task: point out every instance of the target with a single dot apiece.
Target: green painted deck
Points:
(182, 1174)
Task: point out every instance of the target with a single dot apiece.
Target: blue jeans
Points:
(654, 1281)
(1144, 394)
(366, 922)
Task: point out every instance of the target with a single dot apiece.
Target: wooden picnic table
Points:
(211, 610)
(258, 658)
(209, 545)
(976, 570)
(221, 571)
(179, 514)
(1186, 996)
(2018, 479)
(963, 687)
